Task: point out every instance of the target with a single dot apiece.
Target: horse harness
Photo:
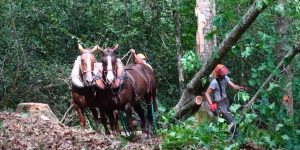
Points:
(132, 81)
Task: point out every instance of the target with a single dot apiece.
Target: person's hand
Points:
(244, 88)
(213, 107)
(132, 50)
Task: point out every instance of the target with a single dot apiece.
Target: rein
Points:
(125, 56)
(85, 71)
(122, 77)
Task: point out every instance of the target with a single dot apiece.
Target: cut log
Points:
(40, 110)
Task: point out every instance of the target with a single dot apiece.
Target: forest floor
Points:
(20, 131)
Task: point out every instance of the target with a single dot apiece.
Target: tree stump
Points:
(40, 110)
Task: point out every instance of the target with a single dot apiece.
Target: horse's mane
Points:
(75, 77)
(97, 67)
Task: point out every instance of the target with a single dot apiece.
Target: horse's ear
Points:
(100, 49)
(115, 48)
(95, 48)
(81, 50)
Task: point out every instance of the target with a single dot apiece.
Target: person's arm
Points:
(133, 52)
(212, 105)
(236, 87)
(136, 59)
(207, 95)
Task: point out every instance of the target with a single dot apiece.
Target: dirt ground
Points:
(20, 131)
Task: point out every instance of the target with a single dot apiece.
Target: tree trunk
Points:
(194, 87)
(282, 25)
(204, 12)
(285, 61)
(176, 17)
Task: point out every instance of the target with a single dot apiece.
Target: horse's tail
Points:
(152, 91)
(151, 86)
(155, 103)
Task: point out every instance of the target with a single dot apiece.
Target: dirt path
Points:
(19, 131)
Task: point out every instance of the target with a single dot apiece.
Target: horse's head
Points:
(109, 62)
(87, 64)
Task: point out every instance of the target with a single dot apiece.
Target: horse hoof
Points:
(149, 136)
(107, 133)
(97, 131)
(134, 139)
(115, 133)
(144, 135)
(135, 123)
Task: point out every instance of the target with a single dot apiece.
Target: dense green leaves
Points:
(40, 39)
(190, 62)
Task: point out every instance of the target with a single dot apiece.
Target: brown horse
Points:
(143, 87)
(137, 82)
(106, 77)
(83, 89)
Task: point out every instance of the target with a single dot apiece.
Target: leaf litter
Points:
(32, 132)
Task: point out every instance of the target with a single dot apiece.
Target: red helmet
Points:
(221, 70)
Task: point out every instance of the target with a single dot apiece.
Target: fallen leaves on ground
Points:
(20, 131)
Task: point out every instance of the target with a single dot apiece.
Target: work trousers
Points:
(223, 108)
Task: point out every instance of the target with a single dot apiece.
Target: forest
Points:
(183, 40)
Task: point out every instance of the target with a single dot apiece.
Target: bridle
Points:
(89, 69)
(110, 67)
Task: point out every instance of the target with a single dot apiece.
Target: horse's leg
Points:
(138, 108)
(116, 116)
(128, 111)
(150, 114)
(104, 121)
(81, 116)
(112, 121)
(96, 119)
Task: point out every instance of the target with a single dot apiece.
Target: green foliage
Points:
(1, 124)
(37, 37)
(274, 132)
(190, 62)
(188, 135)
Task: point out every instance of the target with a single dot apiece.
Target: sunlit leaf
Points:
(279, 8)
(243, 96)
(249, 117)
(269, 141)
(278, 126)
(272, 106)
(285, 137)
(221, 120)
(172, 134)
(259, 4)
(235, 107)
(262, 67)
(247, 52)
(266, 2)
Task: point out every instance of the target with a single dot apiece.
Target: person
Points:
(218, 88)
(139, 58)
